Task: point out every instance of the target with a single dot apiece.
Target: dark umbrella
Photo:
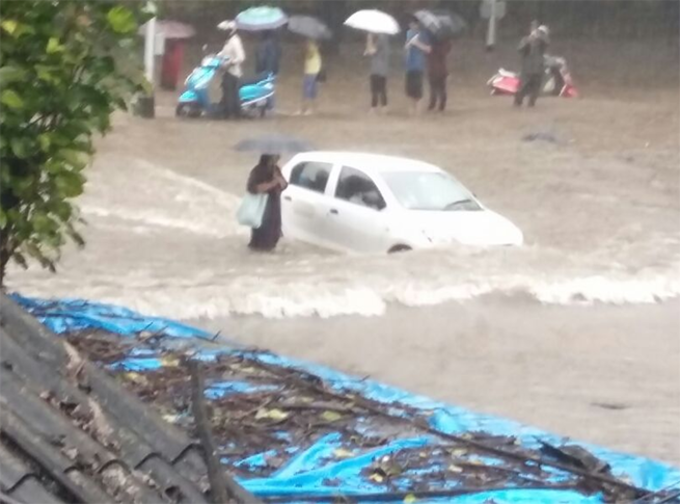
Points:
(309, 27)
(441, 24)
(453, 24)
(273, 144)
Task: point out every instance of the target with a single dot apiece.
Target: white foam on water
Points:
(272, 295)
(141, 192)
(168, 245)
(609, 290)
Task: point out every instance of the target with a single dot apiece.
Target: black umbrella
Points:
(309, 27)
(441, 24)
(273, 144)
(453, 24)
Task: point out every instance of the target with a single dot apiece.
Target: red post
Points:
(172, 63)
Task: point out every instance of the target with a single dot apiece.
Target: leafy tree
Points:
(65, 67)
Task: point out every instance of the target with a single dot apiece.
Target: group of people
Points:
(267, 61)
(425, 56)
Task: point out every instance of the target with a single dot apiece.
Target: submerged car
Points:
(374, 203)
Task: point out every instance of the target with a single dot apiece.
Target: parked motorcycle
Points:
(557, 80)
(256, 94)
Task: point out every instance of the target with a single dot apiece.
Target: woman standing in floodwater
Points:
(266, 177)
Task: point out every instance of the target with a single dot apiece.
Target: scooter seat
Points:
(254, 79)
(506, 73)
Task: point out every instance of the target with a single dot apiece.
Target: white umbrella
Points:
(373, 21)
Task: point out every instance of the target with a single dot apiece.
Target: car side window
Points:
(356, 187)
(311, 175)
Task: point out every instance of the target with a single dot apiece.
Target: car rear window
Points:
(311, 175)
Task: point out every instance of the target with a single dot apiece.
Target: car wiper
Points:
(453, 205)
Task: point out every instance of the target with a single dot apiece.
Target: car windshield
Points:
(430, 191)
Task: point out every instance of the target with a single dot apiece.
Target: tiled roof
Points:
(70, 433)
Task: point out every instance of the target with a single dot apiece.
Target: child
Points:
(311, 77)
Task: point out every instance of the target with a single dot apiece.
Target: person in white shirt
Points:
(235, 55)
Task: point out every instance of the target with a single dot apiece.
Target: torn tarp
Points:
(307, 433)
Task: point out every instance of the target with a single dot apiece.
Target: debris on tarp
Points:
(296, 432)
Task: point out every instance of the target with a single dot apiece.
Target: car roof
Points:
(370, 163)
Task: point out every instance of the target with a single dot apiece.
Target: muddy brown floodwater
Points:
(577, 332)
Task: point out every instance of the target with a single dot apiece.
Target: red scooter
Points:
(557, 82)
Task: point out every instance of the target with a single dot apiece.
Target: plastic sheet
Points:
(72, 315)
(316, 469)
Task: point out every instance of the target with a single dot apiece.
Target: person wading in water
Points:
(267, 178)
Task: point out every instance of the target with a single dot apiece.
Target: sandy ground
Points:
(599, 207)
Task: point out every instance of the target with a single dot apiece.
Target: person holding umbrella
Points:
(379, 26)
(416, 50)
(437, 73)
(312, 30)
(378, 48)
(310, 80)
(266, 178)
(442, 26)
(235, 56)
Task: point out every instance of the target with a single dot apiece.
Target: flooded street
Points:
(577, 331)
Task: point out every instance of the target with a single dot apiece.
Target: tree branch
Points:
(223, 489)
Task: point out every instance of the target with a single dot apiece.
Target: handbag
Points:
(322, 76)
(251, 211)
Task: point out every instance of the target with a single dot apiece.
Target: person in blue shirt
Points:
(416, 50)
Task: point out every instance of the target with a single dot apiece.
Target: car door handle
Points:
(334, 211)
(288, 198)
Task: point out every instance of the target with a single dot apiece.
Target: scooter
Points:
(256, 94)
(557, 82)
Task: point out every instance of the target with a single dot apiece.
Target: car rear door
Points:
(358, 215)
(304, 203)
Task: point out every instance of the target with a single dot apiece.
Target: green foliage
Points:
(65, 67)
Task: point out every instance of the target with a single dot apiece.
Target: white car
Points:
(373, 203)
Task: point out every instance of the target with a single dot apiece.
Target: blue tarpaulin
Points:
(317, 469)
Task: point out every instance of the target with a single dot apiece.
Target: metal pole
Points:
(149, 39)
(146, 103)
(491, 31)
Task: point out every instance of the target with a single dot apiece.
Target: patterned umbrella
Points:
(261, 18)
(309, 27)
